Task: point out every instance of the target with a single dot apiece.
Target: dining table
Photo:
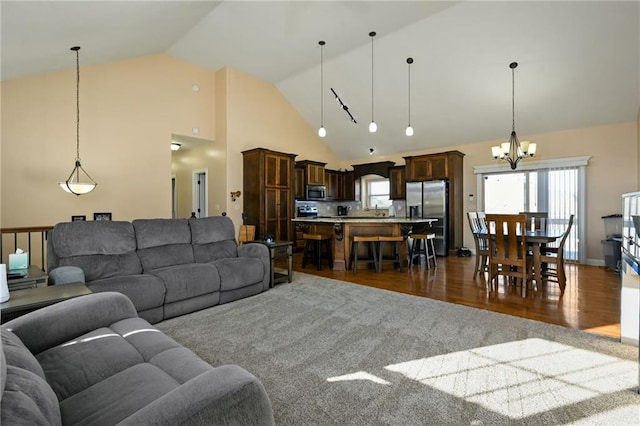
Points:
(536, 239)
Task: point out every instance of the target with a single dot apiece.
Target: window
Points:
(553, 186)
(375, 191)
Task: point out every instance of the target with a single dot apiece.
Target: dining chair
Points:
(554, 256)
(508, 254)
(540, 220)
(478, 225)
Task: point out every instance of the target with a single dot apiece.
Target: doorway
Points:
(200, 199)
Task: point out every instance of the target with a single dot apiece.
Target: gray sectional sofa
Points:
(167, 267)
(92, 360)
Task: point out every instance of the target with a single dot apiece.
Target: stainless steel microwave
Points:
(316, 192)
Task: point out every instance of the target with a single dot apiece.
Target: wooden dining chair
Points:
(508, 254)
(540, 220)
(554, 256)
(478, 225)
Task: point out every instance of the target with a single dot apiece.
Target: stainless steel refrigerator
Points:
(431, 200)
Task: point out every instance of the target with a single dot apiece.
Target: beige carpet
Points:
(334, 353)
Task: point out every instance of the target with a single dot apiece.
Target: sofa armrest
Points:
(227, 395)
(66, 275)
(66, 320)
(258, 250)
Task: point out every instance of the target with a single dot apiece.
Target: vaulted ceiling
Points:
(579, 62)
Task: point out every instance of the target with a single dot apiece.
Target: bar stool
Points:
(423, 244)
(316, 248)
(397, 246)
(371, 258)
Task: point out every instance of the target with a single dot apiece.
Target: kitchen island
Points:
(342, 228)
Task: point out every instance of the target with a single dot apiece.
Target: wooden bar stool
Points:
(371, 258)
(423, 245)
(397, 246)
(316, 248)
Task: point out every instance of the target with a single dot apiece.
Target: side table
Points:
(280, 250)
(25, 301)
(34, 277)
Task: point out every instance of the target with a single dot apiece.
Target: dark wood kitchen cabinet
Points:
(298, 183)
(332, 179)
(397, 183)
(313, 172)
(348, 186)
(268, 192)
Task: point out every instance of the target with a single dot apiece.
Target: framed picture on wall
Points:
(76, 218)
(102, 216)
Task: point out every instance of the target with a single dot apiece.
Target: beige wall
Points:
(128, 111)
(258, 115)
(609, 174)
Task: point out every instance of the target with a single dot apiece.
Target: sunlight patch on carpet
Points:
(523, 378)
(360, 375)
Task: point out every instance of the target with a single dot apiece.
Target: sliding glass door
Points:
(552, 190)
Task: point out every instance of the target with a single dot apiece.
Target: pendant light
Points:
(77, 182)
(409, 131)
(513, 151)
(322, 132)
(373, 127)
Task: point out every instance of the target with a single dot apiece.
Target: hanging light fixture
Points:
(76, 182)
(514, 150)
(322, 132)
(373, 127)
(409, 131)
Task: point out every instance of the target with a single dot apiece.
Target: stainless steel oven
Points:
(316, 193)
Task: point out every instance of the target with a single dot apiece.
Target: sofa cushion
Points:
(186, 281)
(146, 291)
(213, 251)
(102, 249)
(161, 232)
(240, 272)
(104, 266)
(26, 397)
(211, 229)
(16, 354)
(163, 242)
(213, 238)
(93, 237)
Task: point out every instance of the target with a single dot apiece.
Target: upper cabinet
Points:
(298, 182)
(428, 167)
(348, 186)
(313, 172)
(397, 183)
(333, 180)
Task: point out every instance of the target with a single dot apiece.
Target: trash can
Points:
(612, 245)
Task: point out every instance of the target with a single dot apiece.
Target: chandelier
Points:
(514, 150)
(77, 182)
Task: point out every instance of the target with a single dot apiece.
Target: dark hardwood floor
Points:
(591, 301)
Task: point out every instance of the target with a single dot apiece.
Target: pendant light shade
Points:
(513, 151)
(79, 182)
(409, 130)
(322, 132)
(373, 127)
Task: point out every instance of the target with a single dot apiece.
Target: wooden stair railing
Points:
(22, 235)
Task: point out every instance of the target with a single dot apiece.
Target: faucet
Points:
(377, 213)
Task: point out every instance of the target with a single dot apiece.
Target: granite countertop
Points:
(360, 219)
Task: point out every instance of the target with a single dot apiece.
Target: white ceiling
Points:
(579, 61)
